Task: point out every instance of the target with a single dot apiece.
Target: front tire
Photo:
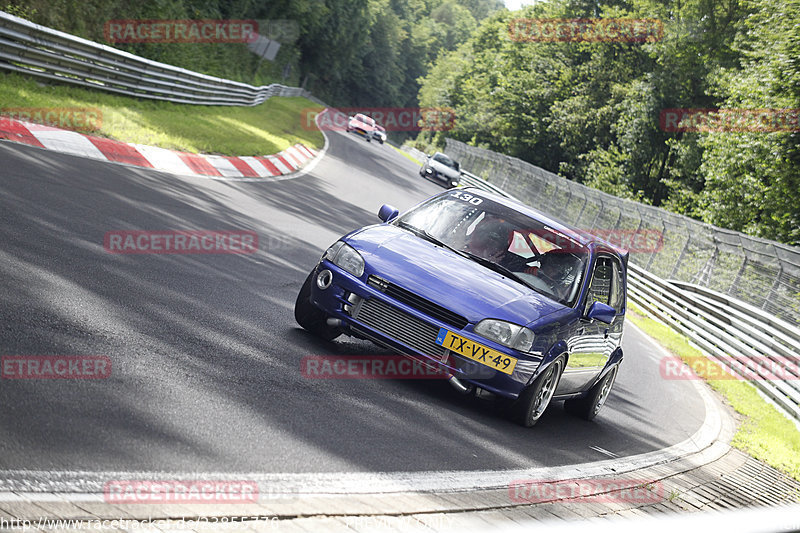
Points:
(533, 402)
(309, 316)
(588, 406)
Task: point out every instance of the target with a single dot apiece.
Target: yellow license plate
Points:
(477, 352)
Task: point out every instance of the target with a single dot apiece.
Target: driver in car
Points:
(559, 269)
(491, 240)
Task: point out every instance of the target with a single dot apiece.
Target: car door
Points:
(591, 342)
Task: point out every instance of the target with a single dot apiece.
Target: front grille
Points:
(399, 326)
(417, 302)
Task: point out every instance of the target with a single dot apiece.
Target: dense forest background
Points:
(348, 52)
(589, 111)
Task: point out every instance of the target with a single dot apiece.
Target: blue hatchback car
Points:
(488, 290)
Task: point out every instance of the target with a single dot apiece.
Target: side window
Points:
(600, 288)
(606, 286)
(617, 288)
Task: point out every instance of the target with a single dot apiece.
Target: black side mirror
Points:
(387, 213)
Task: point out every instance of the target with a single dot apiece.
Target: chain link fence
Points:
(760, 272)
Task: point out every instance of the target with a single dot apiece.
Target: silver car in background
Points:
(442, 169)
(379, 133)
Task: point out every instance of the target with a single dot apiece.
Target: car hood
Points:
(444, 169)
(446, 278)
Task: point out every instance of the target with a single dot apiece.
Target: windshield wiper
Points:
(500, 269)
(425, 235)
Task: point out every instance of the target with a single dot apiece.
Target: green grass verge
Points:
(406, 155)
(764, 433)
(261, 130)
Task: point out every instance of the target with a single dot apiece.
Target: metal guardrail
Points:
(738, 336)
(467, 178)
(470, 179)
(734, 334)
(56, 56)
(419, 155)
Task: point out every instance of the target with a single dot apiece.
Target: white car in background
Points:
(441, 168)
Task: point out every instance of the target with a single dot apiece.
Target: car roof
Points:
(582, 236)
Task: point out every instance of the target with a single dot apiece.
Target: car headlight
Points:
(505, 333)
(345, 257)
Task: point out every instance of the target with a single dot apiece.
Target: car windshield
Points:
(527, 250)
(443, 159)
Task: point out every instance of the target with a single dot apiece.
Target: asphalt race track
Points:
(204, 348)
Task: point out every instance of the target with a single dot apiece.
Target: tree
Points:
(753, 178)
(590, 110)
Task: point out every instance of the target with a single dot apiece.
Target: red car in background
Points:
(362, 125)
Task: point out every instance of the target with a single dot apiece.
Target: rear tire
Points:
(533, 402)
(310, 317)
(588, 407)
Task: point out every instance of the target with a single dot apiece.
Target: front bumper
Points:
(367, 312)
(362, 132)
(444, 178)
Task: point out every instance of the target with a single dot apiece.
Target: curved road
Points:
(206, 353)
